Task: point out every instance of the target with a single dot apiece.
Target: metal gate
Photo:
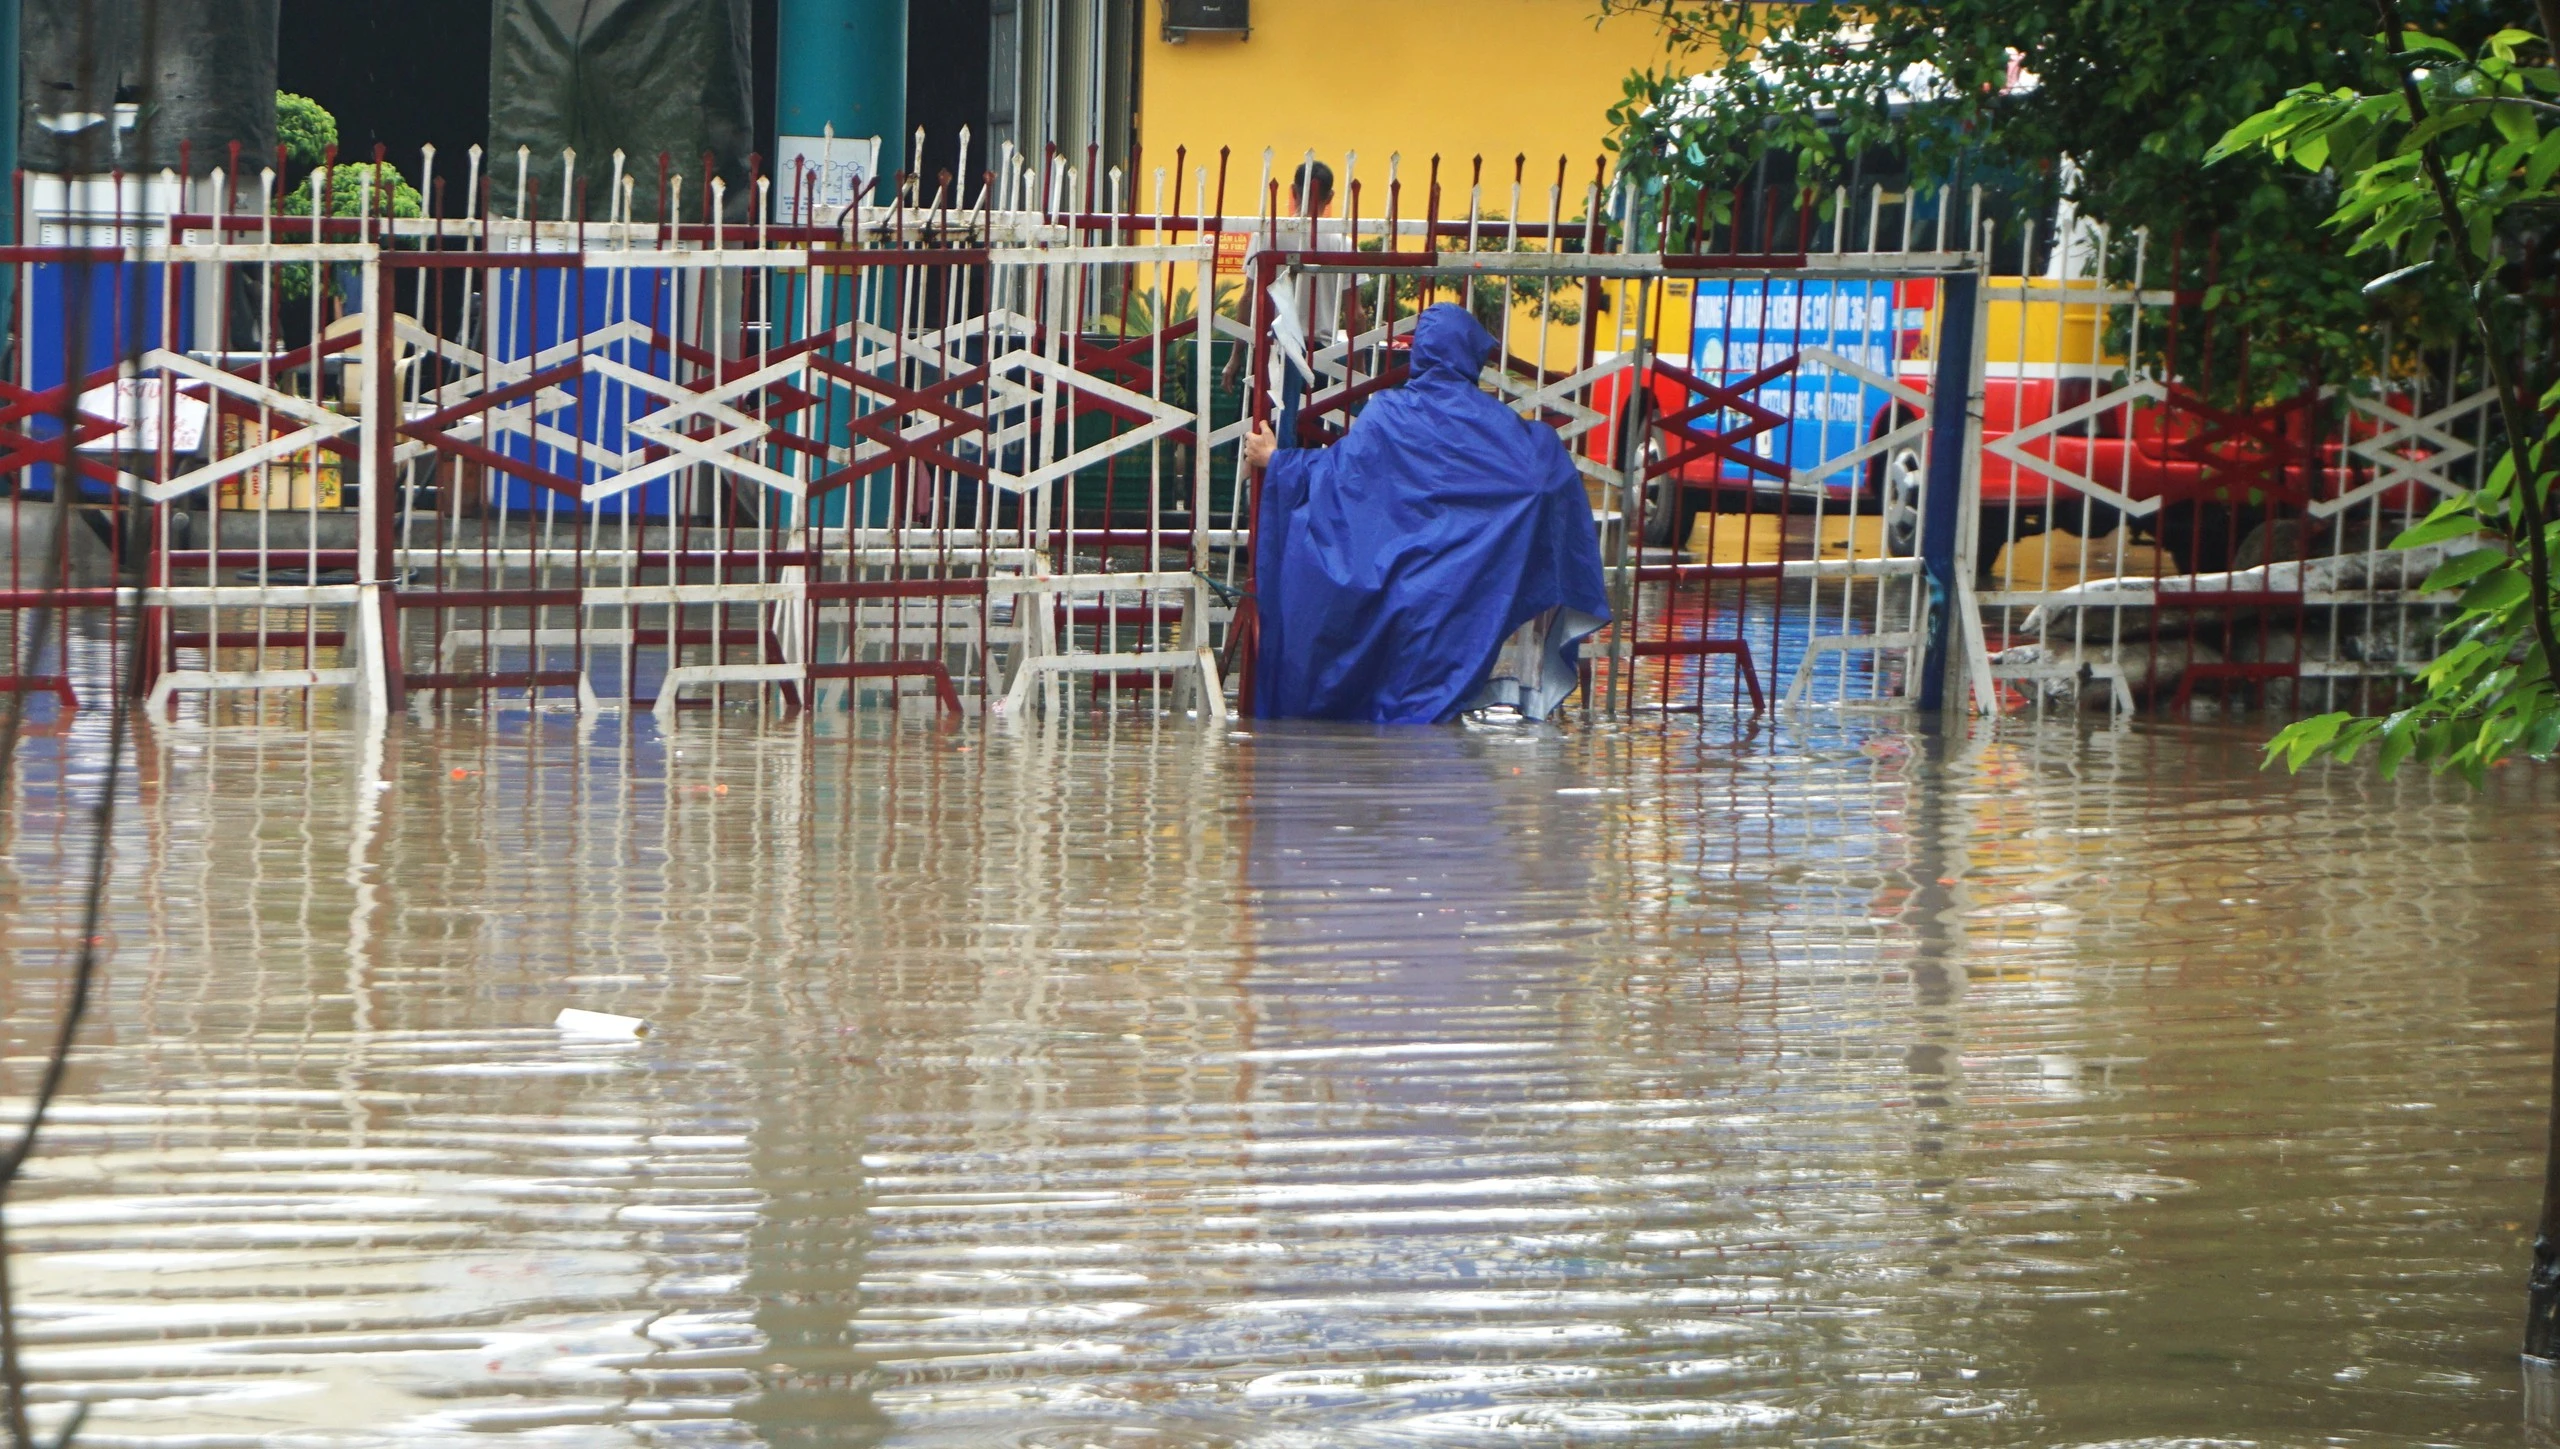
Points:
(2157, 526)
(1740, 482)
(933, 457)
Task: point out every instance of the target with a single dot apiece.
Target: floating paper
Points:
(600, 1024)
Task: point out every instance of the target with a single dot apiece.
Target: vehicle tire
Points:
(1661, 502)
(1892, 486)
(1899, 500)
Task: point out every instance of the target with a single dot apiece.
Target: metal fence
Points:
(972, 450)
(1733, 399)
(938, 455)
(2156, 525)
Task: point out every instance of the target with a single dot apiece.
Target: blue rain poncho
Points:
(1393, 567)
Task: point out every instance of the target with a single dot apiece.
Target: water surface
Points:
(1139, 1086)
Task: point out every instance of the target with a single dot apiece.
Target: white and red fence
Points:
(977, 451)
(2155, 524)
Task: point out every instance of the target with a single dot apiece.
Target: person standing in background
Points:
(1308, 312)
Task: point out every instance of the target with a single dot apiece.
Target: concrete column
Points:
(9, 62)
(840, 63)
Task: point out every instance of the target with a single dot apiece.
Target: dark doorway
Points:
(404, 75)
(762, 23)
(399, 75)
(947, 83)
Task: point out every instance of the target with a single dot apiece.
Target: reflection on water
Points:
(1302, 1087)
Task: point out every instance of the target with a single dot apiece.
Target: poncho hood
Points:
(1449, 345)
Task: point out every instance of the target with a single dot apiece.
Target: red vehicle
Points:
(2196, 475)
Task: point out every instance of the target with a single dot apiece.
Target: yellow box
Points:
(2047, 329)
(285, 484)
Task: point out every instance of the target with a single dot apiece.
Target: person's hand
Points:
(1260, 445)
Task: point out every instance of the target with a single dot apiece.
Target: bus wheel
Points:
(1660, 502)
(1899, 499)
(1893, 485)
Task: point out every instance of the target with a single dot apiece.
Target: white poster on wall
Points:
(816, 177)
(135, 404)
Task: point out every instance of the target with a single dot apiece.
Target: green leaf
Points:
(2305, 738)
(2510, 40)
(2462, 568)
(2452, 670)
(2515, 122)
(2436, 740)
(2252, 132)
(2399, 737)
(2543, 736)
(2352, 739)
(2546, 160)
(2497, 593)
(2436, 127)
(2450, 520)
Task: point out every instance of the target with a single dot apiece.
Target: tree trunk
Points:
(2542, 1290)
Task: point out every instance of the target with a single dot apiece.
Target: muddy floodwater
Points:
(1814, 1083)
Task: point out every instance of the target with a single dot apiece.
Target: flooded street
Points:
(1152, 1087)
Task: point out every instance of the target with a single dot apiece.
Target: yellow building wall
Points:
(1460, 78)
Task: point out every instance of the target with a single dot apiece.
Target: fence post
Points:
(1260, 270)
(1951, 391)
(376, 437)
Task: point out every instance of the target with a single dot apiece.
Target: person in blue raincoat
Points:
(1441, 558)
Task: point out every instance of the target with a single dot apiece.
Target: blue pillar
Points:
(1942, 513)
(842, 63)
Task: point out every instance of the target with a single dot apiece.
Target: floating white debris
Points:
(600, 1024)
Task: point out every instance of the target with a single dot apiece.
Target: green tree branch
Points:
(2512, 407)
